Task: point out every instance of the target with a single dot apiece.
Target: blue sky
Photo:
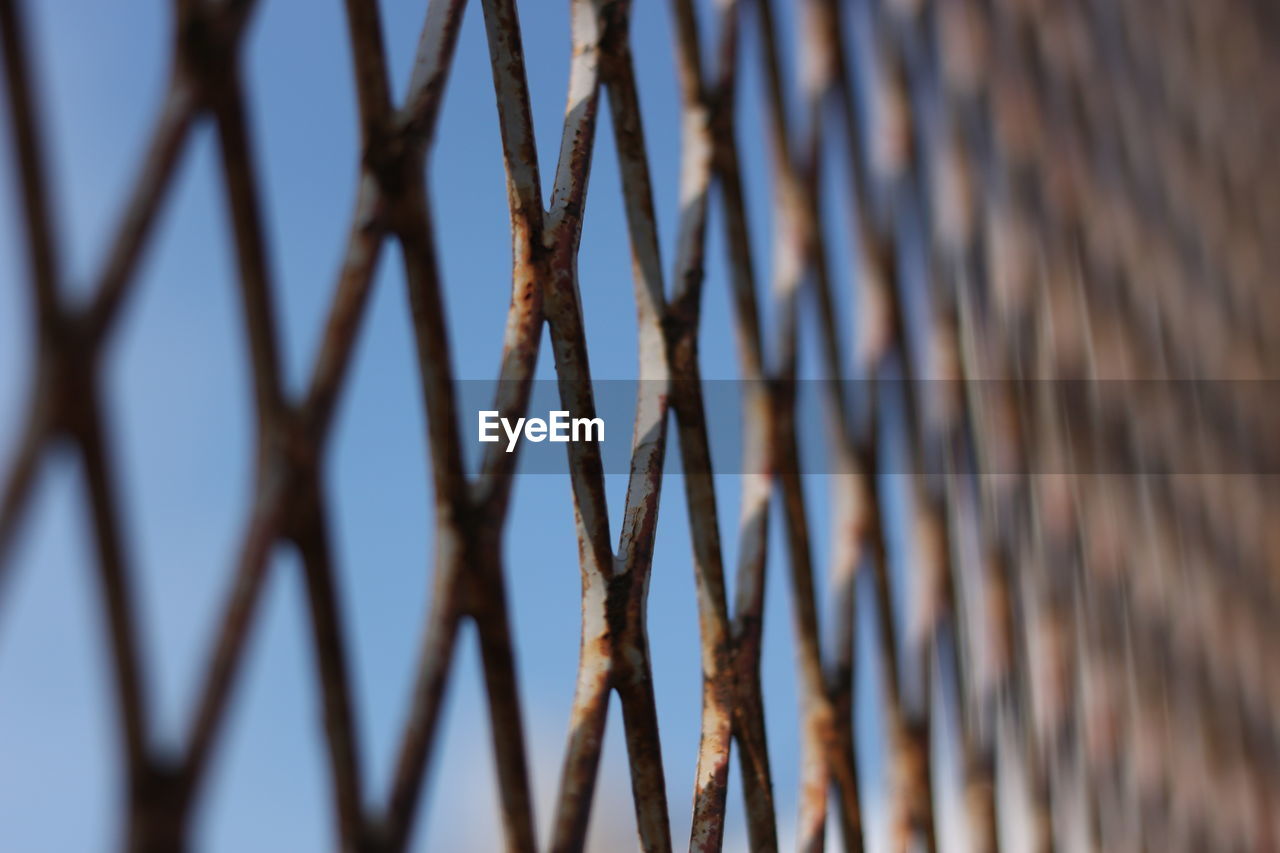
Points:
(179, 408)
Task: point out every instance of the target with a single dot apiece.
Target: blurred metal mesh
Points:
(1094, 198)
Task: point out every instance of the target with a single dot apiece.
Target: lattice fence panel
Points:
(1089, 188)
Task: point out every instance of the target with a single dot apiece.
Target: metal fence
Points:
(1089, 187)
